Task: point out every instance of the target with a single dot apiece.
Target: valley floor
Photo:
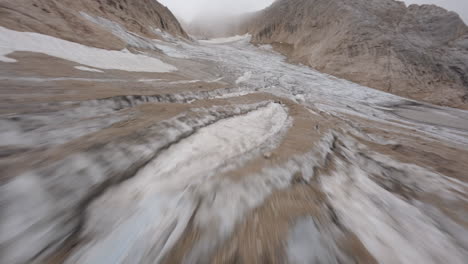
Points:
(236, 157)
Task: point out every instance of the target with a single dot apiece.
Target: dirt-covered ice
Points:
(236, 157)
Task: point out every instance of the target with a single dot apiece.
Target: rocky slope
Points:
(419, 52)
(65, 19)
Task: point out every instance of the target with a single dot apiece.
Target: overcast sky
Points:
(189, 9)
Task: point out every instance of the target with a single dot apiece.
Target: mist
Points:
(188, 10)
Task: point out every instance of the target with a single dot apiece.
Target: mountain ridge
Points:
(415, 51)
(64, 19)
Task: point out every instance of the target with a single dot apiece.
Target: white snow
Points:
(170, 51)
(148, 213)
(225, 40)
(393, 230)
(165, 35)
(266, 47)
(309, 244)
(24, 202)
(83, 68)
(134, 39)
(93, 57)
(150, 80)
(48, 79)
(245, 77)
(231, 95)
(327, 93)
(5, 51)
(184, 81)
(215, 80)
(121, 32)
(215, 144)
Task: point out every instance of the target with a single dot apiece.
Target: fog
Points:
(190, 9)
(187, 10)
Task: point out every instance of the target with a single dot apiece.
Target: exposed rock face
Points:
(64, 19)
(419, 52)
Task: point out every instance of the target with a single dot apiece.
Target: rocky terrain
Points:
(66, 19)
(418, 52)
(132, 143)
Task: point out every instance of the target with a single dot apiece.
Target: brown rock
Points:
(419, 52)
(62, 19)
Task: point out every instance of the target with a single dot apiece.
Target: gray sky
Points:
(189, 9)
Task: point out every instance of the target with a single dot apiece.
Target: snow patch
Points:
(266, 47)
(184, 81)
(171, 51)
(225, 40)
(165, 35)
(245, 77)
(119, 31)
(136, 40)
(309, 244)
(150, 80)
(393, 230)
(23, 202)
(58, 79)
(215, 80)
(4, 51)
(83, 68)
(98, 58)
(144, 217)
(233, 94)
